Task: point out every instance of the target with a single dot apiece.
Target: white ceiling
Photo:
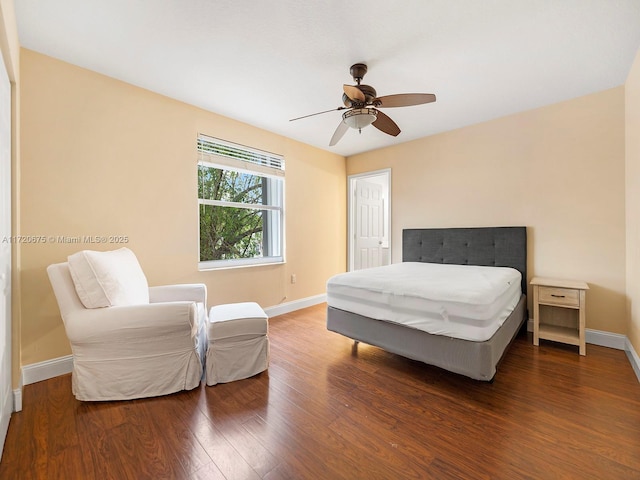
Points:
(266, 61)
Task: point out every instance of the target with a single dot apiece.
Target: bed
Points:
(474, 355)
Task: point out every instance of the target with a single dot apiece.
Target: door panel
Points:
(369, 225)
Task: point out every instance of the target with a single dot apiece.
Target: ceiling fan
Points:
(362, 106)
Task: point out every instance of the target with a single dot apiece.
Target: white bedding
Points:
(462, 301)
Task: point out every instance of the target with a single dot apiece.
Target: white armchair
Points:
(133, 350)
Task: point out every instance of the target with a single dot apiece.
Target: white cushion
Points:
(107, 279)
(235, 320)
(234, 311)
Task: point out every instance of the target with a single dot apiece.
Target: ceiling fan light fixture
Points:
(360, 117)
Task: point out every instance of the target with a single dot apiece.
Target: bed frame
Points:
(488, 246)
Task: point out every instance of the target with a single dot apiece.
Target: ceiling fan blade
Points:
(339, 133)
(386, 125)
(354, 93)
(319, 113)
(404, 100)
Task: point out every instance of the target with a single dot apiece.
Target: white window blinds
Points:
(219, 152)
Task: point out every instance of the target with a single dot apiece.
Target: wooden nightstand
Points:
(559, 311)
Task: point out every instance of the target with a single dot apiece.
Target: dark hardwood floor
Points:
(325, 411)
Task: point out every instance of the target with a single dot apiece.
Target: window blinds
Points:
(219, 152)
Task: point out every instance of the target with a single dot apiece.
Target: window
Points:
(241, 203)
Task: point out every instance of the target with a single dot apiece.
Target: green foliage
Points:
(228, 232)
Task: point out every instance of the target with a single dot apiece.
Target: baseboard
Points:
(606, 339)
(634, 359)
(7, 408)
(295, 305)
(17, 399)
(36, 372)
(598, 337)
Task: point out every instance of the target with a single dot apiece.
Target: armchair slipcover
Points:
(133, 351)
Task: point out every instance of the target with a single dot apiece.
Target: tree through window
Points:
(240, 196)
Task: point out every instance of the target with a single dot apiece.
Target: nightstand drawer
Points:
(568, 297)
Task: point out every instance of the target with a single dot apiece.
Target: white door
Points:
(6, 400)
(369, 225)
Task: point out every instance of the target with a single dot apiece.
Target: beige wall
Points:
(559, 170)
(632, 153)
(101, 157)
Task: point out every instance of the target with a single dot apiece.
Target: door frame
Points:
(352, 214)
(6, 393)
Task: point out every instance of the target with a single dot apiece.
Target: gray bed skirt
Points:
(477, 360)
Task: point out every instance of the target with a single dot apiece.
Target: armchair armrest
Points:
(131, 323)
(193, 292)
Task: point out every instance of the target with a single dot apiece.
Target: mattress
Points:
(462, 301)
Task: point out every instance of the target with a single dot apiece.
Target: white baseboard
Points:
(634, 359)
(36, 372)
(606, 339)
(17, 399)
(6, 407)
(295, 305)
(598, 337)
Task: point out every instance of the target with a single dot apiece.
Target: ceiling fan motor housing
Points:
(369, 96)
(369, 92)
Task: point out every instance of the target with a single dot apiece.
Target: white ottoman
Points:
(238, 342)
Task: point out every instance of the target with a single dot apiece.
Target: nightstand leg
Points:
(582, 322)
(536, 317)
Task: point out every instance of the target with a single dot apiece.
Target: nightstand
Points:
(559, 311)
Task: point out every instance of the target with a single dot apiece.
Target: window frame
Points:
(274, 196)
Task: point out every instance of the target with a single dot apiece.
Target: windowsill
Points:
(208, 266)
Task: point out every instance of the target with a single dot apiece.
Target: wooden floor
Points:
(324, 411)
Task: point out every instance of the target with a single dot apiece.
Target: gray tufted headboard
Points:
(488, 246)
